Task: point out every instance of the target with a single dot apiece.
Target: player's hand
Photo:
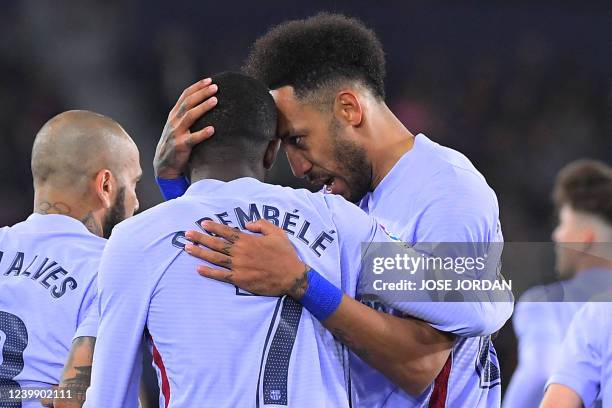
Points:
(48, 402)
(264, 264)
(174, 147)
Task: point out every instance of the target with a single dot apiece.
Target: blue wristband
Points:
(321, 298)
(172, 188)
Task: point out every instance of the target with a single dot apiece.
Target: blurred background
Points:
(520, 88)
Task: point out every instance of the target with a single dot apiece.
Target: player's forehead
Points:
(294, 116)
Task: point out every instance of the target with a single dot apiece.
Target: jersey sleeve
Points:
(123, 303)
(580, 366)
(88, 326)
(464, 213)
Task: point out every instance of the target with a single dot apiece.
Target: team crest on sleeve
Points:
(390, 234)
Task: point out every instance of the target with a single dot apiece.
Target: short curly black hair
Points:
(317, 52)
(585, 185)
(244, 121)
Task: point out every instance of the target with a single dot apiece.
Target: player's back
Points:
(48, 266)
(215, 345)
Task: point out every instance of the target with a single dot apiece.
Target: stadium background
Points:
(520, 88)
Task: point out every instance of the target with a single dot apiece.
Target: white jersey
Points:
(213, 344)
(541, 320)
(585, 363)
(434, 195)
(48, 268)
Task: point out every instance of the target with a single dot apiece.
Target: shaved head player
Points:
(85, 169)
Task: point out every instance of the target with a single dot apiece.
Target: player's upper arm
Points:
(464, 210)
(580, 360)
(560, 396)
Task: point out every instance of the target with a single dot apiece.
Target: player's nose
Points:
(300, 165)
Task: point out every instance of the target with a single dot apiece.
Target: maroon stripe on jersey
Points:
(165, 386)
(438, 395)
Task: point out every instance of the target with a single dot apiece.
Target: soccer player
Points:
(85, 169)
(327, 78)
(213, 344)
(583, 198)
(583, 375)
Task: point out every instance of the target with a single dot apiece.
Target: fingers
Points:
(213, 243)
(200, 136)
(229, 233)
(196, 113)
(190, 90)
(216, 274)
(264, 227)
(207, 255)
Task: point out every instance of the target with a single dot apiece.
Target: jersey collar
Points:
(57, 222)
(207, 186)
(398, 173)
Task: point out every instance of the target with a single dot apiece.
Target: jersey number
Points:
(276, 368)
(15, 339)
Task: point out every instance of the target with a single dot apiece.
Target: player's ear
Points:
(271, 152)
(347, 108)
(104, 187)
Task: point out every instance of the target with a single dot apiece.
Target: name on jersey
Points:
(291, 222)
(48, 273)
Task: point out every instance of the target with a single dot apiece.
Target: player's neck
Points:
(390, 141)
(593, 262)
(46, 202)
(228, 172)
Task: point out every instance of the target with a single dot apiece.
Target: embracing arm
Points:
(409, 352)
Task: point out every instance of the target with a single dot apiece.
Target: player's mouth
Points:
(330, 185)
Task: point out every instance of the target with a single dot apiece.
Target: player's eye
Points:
(296, 140)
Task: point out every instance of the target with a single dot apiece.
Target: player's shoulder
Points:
(550, 292)
(534, 310)
(151, 220)
(451, 169)
(326, 205)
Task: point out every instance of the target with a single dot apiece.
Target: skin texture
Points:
(560, 396)
(85, 166)
(578, 237)
(175, 145)
(356, 142)
(77, 373)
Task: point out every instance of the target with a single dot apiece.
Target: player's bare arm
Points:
(560, 396)
(77, 373)
(409, 352)
(174, 146)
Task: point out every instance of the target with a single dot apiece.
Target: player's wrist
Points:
(321, 298)
(299, 284)
(172, 187)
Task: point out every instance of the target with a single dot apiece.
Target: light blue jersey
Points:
(434, 194)
(213, 344)
(48, 268)
(541, 320)
(585, 361)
